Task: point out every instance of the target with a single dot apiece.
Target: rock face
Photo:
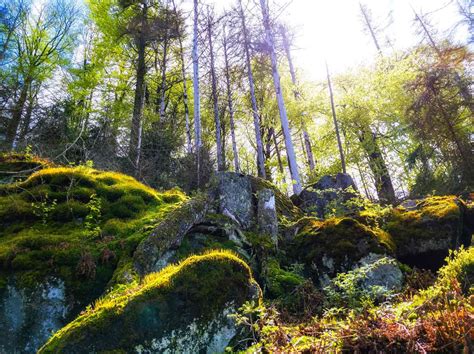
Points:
(182, 309)
(329, 189)
(28, 317)
(267, 214)
(425, 230)
(234, 193)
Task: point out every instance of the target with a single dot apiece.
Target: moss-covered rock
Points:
(60, 224)
(17, 166)
(181, 309)
(335, 245)
(157, 250)
(425, 230)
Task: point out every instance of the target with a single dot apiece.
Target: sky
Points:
(332, 30)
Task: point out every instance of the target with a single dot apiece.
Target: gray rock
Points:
(234, 196)
(381, 271)
(28, 317)
(267, 214)
(329, 189)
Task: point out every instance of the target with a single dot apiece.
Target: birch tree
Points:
(255, 111)
(292, 163)
(197, 103)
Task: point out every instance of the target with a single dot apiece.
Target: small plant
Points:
(44, 209)
(94, 216)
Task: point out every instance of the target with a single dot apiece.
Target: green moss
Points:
(202, 285)
(43, 230)
(343, 240)
(18, 166)
(280, 283)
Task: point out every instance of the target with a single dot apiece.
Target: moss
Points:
(17, 166)
(280, 283)
(198, 287)
(43, 231)
(435, 225)
(343, 241)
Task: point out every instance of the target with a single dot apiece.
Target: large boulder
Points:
(29, 316)
(336, 245)
(234, 198)
(329, 190)
(425, 230)
(182, 309)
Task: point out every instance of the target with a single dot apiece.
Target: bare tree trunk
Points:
(197, 104)
(307, 141)
(277, 150)
(189, 146)
(230, 106)
(281, 104)
(217, 121)
(17, 112)
(368, 22)
(336, 126)
(164, 63)
(255, 111)
(136, 129)
(383, 182)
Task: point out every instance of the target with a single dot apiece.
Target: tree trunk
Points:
(230, 106)
(365, 14)
(307, 141)
(336, 126)
(197, 104)
(189, 147)
(383, 182)
(136, 130)
(217, 121)
(162, 90)
(14, 123)
(277, 150)
(255, 111)
(281, 104)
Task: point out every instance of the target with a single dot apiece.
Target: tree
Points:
(281, 104)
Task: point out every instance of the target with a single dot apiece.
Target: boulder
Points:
(234, 197)
(380, 271)
(182, 309)
(267, 214)
(328, 190)
(29, 316)
(336, 245)
(425, 230)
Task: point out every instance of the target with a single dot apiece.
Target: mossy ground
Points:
(147, 310)
(75, 223)
(18, 166)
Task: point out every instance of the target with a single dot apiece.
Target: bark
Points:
(136, 130)
(162, 88)
(197, 104)
(281, 104)
(189, 147)
(219, 151)
(306, 139)
(383, 182)
(17, 112)
(336, 126)
(277, 150)
(255, 111)
(230, 106)
(365, 14)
